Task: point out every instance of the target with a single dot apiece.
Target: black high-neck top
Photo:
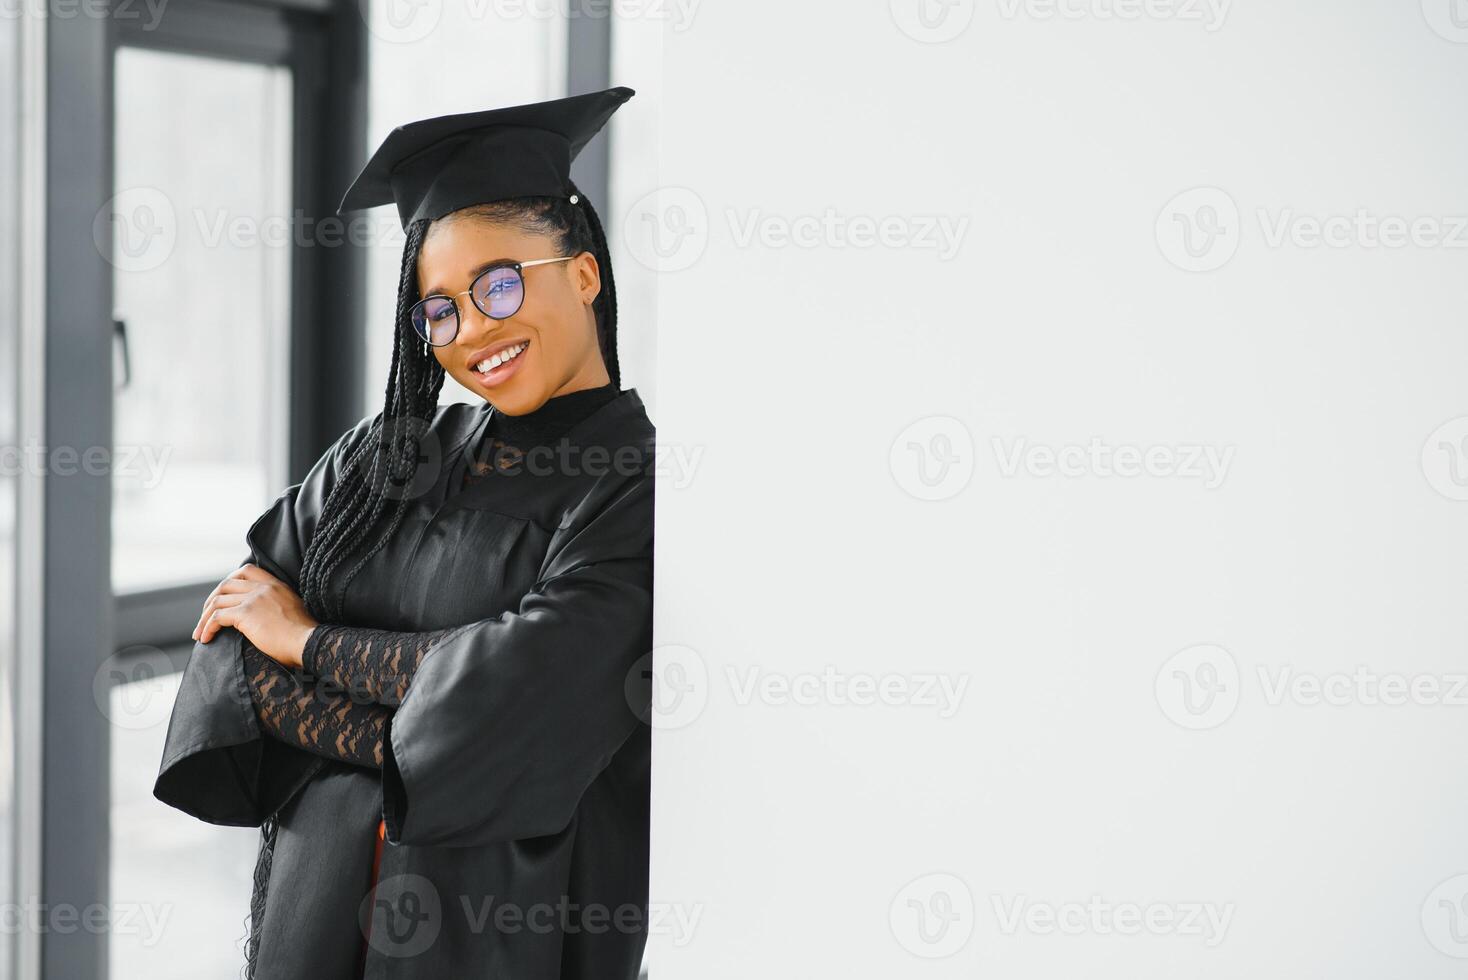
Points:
(551, 420)
(511, 433)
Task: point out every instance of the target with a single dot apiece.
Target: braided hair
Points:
(366, 505)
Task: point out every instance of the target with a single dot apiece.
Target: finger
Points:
(211, 612)
(204, 609)
(228, 583)
(218, 619)
(253, 573)
(204, 617)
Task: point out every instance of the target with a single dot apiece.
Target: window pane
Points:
(181, 886)
(201, 274)
(201, 255)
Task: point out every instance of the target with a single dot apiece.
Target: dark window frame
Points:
(324, 45)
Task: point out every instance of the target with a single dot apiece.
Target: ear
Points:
(586, 275)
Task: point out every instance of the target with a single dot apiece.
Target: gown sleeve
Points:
(508, 721)
(217, 765)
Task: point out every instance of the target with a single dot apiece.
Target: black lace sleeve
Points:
(370, 664)
(319, 719)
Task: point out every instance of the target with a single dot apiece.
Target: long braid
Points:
(385, 462)
(422, 380)
(606, 301)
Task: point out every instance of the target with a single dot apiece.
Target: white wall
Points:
(854, 518)
(635, 159)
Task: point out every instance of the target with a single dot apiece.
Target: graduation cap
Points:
(433, 166)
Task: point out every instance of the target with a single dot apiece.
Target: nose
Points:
(474, 325)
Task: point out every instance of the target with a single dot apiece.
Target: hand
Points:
(262, 607)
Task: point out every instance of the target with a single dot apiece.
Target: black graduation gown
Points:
(514, 786)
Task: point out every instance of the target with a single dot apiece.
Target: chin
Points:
(517, 397)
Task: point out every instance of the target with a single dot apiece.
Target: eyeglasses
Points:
(497, 291)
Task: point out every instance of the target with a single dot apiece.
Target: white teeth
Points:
(495, 360)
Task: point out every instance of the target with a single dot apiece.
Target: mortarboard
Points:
(433, 166)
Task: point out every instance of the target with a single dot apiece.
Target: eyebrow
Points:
(474, 273)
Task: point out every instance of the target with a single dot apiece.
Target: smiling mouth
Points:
(504, 356)
(501, 364)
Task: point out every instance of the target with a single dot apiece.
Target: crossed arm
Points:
(313, 717)
(324, 688)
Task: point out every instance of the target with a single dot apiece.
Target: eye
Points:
(436, 309)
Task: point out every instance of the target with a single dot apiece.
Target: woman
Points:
(428, 682)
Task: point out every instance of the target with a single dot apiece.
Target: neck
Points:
(592, 374)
